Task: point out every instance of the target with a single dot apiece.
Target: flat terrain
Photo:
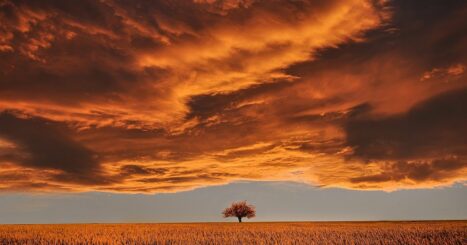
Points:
(447, 232)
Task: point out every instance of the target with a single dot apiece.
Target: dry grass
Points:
(452, 232)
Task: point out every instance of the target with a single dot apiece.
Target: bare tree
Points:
(240, 209)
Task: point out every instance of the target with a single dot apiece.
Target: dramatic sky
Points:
(136, 96)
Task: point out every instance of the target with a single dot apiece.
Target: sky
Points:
(274, 201)
(129, 101)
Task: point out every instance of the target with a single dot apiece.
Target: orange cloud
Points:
(166, 96)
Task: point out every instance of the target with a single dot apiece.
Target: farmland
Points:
(447, 232)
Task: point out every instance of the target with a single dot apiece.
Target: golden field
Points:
(444, 232)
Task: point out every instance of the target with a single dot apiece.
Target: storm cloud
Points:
(431, 128)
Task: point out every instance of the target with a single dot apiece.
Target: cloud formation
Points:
(138, 96)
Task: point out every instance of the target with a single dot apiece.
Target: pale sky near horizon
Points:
(275, 201)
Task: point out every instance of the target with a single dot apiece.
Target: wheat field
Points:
(448, 232)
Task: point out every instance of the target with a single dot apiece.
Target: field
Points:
(448, 232)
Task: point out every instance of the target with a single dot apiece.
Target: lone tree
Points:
(240, 209)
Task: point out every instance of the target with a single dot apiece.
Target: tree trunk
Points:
(239, 219)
